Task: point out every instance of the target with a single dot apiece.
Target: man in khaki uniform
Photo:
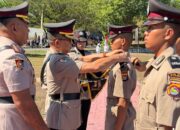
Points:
(121, 83)
(62, 74)
(18, 111)
(159, 101)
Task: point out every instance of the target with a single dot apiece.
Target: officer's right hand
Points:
(138, 64)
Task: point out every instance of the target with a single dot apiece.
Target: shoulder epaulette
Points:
(5, 47)
(174, 61)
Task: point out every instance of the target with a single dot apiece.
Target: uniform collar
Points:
(52, 51)
(156, 63)
(6, 41)
(9, 42)
(76, 50)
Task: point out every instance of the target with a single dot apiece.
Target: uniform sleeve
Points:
(16, 73)
(168, 107)
(73, 55)
(122, 88)
(79, 63)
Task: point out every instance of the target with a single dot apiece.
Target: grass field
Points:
(36, 57)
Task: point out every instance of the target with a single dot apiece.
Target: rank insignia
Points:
(175, 61)
(19, 63)
(174, 90)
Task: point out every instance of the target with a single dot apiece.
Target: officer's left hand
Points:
(114, 52)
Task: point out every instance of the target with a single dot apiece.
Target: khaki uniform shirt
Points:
(62, 77)
(156, 107)
(16, 74)
(117, 88)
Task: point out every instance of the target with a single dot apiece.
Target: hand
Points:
(114, 52)
(123, 57)
(135, 61)
(138, 64)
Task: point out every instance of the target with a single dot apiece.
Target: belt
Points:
(65, 96)
(9, 99)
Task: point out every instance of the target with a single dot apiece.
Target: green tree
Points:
(92, 15)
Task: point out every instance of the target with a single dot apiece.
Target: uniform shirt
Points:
(117, 88)
(156, 107)
(62, 77)
(16, 74)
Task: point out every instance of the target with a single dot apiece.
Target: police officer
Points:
(91, 83)
(62, 76)
(159, 101)
(18, 111)
(80, 43)
(121, 83)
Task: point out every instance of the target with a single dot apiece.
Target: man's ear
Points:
(123, 41)
(11, 25)
(56, 42)
(169, 33)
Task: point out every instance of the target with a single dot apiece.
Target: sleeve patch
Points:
(173, 90)
(19, 63)
(174, 77)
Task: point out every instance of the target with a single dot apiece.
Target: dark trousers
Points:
(85, 107)
(52, 129)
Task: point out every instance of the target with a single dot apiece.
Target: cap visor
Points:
(70, 37)
(152, 22)
(112, 36)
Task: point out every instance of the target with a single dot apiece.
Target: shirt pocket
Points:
(148, 106)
